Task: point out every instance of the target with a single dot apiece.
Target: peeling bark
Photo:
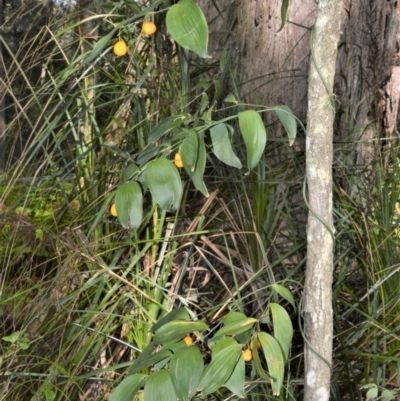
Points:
(317, 308)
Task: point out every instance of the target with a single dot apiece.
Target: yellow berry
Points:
(247, 355)
(178, 160)
(149, 28)
(120, 48)
(188, 341)
(113, 210)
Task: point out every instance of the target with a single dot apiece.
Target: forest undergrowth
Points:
(87, 292)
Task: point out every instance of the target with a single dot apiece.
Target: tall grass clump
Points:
(366, 291)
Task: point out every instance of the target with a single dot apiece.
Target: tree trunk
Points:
(317, 309)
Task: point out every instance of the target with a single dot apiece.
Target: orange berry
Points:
(113, 210)
(120, 48)
(149, 28)
(247, 355)
(178, 160)
(188, 341)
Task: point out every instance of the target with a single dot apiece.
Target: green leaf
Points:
(176, 330)
(165, 126)
(49, 394)
(12, 338)
(387, 395)
(24, 343)
(230, 98)
(189, 149)
(197, 175)
(254, 135)
(222, 146)
(39, 234)
(284, 293)
(222, 344)
(164, 183)
(288, 121)
(186, 368)
(129, 204)
(99, 46)
(232, 317)
(283, 328)
(129, 172)
(235, 382)
(128, 388)
(220, 369)
(143, 362)
(274, 356)
(372, 393)
(284, 8)
(175, 314)
(159, 387)
(257, 363)
(234, 328)
(187, 25)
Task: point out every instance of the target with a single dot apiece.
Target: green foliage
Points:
(188, 26)
(129, 204)
(183, 374)
(254, 135)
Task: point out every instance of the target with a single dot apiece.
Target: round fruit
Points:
(178, 160)
(120, 48)
(148, 28)
(113, 210)
(247, 355)
(188, 341)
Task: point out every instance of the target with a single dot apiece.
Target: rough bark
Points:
(275, 64)
(317, 308)
(367, 83)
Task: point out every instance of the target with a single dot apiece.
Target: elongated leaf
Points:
(283, 328)
(220, 369)
(128, 388)
(187, 24)
(99, 46)
(129, 204)
(164, 183)
(221, 344)
(222, 146)
(254, 135)
(284, 8)
(232, 317)
(176, 330)
(159, 387)
(175, 314)
(144, 363)
(166, 126)
(284, 293)
(186, 369)
(129, 172)
(257, 362)
(235, 382)
(189, 149)
(197, 175)
(275, 360)
(288, 121)
(234, 328)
